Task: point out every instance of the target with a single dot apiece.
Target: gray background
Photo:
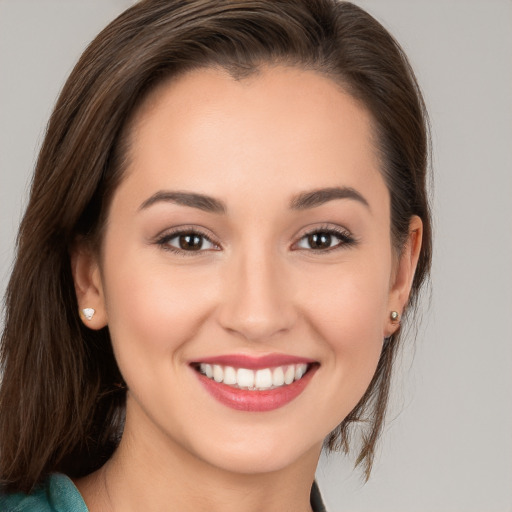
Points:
(448, 441)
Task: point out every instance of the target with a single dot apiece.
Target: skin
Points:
(258, 288)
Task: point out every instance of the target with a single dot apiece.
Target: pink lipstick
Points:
(255, 384)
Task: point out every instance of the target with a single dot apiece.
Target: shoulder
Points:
(58, 494)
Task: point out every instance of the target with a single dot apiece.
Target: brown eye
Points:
(190, 242)
(326, 240)
(319, 240)
(187, 242)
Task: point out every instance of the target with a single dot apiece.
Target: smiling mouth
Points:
(263, 379)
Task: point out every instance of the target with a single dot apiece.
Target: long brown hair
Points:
(61, 405)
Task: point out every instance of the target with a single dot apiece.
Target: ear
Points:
(88, 286)
(404, 274)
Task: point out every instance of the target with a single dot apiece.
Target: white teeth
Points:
(218, 373)
(245, 378)
(261, 380)
(300, 370)
(289, 374)
(229, 375)
(278, 376)
(206, 369)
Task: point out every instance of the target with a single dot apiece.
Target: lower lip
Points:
(256, 401)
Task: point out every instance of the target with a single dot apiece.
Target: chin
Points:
(253, 463)
(265, 454)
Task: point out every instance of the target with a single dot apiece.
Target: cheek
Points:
(352, 306)
(349, 320)
(153, 310)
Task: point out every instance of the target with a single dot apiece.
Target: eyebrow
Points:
(302, 201)
(191, 199)
(314, 198)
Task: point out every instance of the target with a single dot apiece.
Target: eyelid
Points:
(347, 239)
(165, 236)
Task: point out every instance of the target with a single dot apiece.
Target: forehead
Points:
(282, 127)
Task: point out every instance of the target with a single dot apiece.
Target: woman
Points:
(227, 224)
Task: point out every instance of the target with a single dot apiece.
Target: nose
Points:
(257, 302)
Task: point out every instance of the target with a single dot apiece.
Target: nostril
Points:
(255, 303)
(261, 325)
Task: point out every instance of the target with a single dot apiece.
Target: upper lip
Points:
(254, 362)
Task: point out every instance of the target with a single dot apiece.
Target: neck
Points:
(152, 472)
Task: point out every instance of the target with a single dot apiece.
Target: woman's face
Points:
(249, 241)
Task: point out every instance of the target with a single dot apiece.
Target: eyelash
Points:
(164, 240)
(344, 236)
(345, 240)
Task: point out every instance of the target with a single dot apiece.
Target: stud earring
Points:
(88, 313)
(394, 316)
